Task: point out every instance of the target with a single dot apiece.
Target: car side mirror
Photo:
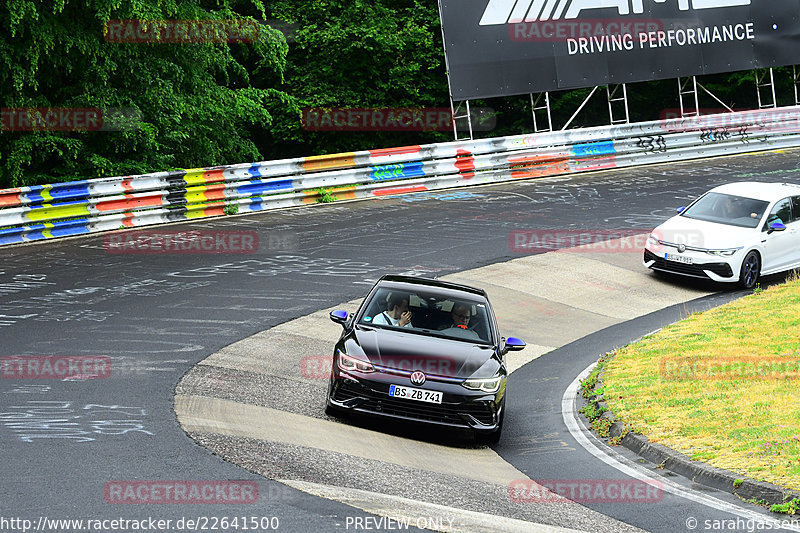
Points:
(776, 226)
(681, 209)
(514, 344)
(339, 316)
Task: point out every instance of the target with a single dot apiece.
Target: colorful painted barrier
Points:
(89, 206)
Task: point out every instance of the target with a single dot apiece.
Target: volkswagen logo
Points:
(681, 248)
(417, 378)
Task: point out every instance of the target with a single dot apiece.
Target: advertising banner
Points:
(508, 47)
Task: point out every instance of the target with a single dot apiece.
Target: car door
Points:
(794, 231)
(779, 246)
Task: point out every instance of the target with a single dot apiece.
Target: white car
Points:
(734, 233)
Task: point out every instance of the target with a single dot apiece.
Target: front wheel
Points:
(751, 269)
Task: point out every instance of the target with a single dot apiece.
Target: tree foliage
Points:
(217, 103)
(359, 54)
(199, 103)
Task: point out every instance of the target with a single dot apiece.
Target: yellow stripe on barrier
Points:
(49, 212)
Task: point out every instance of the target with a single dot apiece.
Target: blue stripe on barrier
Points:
(255, 171)
(59, 204)
(44, 193)
(595, 148)
(35, 232)
(397, 171)
(261, 187)
(64, 232)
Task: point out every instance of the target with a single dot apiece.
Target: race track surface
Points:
(67, 443)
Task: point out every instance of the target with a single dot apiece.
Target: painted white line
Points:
(423, 515)
(627, 467)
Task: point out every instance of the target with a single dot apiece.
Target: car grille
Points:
(443, 413)
(720, 269)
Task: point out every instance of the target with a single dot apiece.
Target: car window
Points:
(727, 209)
(795, 208)
(782, 212)
(431, 314)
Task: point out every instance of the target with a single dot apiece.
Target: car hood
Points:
(702, 234)
(411, 351)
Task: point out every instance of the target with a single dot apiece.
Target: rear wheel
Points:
(750, 271)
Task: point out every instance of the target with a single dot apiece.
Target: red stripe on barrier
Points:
(214, 175)
(394, 151)
(539, 171)
(215, 192)
(9, 197)
(131, 203)
(400, 190)
(465, 163)
(600, 164)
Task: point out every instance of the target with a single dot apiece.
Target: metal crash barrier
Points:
(104, 204)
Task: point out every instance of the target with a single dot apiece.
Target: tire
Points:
(750, 271)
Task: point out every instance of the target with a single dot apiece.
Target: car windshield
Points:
(727, 209)
(429, 312)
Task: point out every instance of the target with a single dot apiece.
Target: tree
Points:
(197, 101)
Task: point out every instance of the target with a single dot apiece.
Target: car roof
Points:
(412, 283)
(769, 192)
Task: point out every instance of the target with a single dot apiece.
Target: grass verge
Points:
(721, 386)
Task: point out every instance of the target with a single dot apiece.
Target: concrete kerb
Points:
(696, 471)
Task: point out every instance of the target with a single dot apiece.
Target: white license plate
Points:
(421, 395)
(678, 258)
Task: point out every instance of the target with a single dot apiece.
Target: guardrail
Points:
(89, 206)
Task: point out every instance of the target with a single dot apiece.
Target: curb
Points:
(696, 471)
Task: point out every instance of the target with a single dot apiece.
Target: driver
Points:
(460, 316)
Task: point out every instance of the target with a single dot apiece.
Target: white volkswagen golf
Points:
(733, 233)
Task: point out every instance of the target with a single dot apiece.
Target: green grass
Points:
(722, 386)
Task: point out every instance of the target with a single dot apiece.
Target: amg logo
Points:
(514, 11)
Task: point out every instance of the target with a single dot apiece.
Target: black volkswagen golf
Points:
(422, 350)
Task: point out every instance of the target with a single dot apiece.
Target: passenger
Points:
(460, 316)
(397, 313)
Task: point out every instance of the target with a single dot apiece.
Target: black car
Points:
(422, 350)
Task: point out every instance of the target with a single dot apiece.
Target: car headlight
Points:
(724, 253)
(348, 363)
(652, 240)
(485, 385)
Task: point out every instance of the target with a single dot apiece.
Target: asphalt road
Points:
(65, 442)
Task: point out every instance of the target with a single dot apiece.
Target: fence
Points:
(89, 206)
